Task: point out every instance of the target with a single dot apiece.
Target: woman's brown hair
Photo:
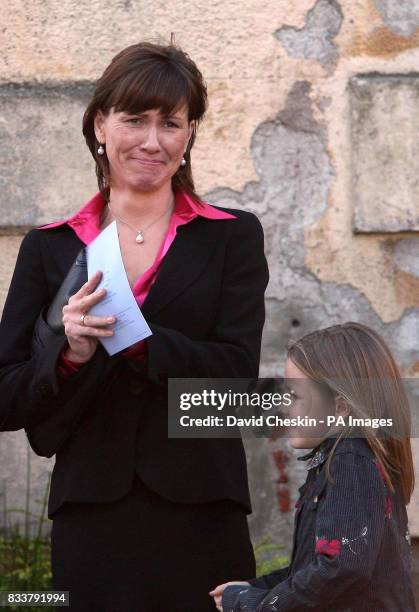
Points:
(142, 77)
(354, 362)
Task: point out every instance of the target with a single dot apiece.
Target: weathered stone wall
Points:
(312, 125)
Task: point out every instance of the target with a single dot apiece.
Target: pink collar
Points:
(85, 221)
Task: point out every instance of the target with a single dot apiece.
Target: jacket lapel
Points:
(185, 260)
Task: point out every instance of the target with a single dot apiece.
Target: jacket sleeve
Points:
(233, 350)
(349, 532)
(268, 581)
(31, 389)
(249, 598)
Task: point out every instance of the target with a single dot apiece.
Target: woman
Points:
(137, 517)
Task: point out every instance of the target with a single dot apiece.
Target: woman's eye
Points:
(134, 120)
(170, 124)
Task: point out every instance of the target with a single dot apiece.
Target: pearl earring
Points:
(101, 149)
(183, 162)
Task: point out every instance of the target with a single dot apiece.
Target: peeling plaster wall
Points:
(401, 17)
(279, 140)
(315, 39)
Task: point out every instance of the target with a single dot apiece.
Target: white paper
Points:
(130, 326)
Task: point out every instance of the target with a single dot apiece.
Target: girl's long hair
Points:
(354, 362)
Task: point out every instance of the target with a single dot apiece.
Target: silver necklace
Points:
(139, 239)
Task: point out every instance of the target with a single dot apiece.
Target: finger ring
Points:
(82, 317)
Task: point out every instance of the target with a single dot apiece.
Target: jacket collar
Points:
(357, 445)
(319, 454)
(86, 221)
(183, 263)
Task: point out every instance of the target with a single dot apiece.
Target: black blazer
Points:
(206, 312)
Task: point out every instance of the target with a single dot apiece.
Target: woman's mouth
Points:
(147, 162)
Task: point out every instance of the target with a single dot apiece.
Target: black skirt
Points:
(144, 553)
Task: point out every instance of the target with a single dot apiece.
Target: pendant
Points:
(139, 238)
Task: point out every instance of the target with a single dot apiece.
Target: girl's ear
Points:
(342, 407)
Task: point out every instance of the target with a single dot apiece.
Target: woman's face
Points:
(307, 401)
(144, 150)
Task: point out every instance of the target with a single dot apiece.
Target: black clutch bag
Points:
(50, 320)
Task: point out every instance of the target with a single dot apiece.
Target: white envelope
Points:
(104, 254)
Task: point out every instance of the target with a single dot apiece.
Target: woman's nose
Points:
(151, 139)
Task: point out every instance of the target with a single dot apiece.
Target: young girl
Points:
(351, 542)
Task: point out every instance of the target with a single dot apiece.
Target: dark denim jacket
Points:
(351, 543)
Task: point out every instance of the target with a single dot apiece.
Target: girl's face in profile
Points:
(307, 402)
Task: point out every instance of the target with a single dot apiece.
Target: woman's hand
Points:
(83, 338)
(217, 593)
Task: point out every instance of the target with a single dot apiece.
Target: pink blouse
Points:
(85, 223)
